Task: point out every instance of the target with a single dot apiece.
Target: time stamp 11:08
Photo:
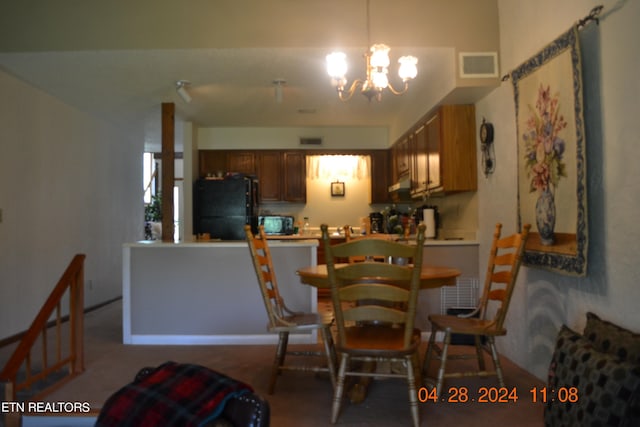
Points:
(498, 395)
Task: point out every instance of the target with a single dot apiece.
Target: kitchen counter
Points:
(428, 242)
(275, 241)
(207, 292)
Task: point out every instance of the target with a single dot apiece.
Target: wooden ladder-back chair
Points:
(349, 237)
(502, 271)
(374, 305)
(284, 321)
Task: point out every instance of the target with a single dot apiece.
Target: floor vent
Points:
(478, 64)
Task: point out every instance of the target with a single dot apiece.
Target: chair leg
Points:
(281, 352)
(496, 360)
(443, 361)
(430, 348)
(479, 353)
(338, 392)
(330, 351)
(413, 392)
(417, 369)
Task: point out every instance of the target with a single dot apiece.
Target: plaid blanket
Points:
(171, 395)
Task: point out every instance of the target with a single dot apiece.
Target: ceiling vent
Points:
(310, 141)
(478, 64)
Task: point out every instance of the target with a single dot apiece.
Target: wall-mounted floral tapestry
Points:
(551, 156)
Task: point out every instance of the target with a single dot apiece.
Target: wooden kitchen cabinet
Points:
(211, 162)
(420, 167)
(400, 158)
(432, 134)
(269, 168)
(241, 161)
(380, 174)
(454, 155)
(281, 174)
(295, 177)
(441, 150)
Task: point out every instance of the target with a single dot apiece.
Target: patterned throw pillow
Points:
(612, 339)
(608, 388)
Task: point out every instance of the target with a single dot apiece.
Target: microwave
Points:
(276, 225)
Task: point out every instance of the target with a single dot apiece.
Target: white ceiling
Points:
(232, 81)
(229, 87)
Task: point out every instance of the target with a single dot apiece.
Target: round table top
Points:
(430, 276)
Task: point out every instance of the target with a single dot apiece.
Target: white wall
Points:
(544, 300)
(260, 138)
(68, 184)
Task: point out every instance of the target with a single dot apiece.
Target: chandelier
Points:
(377, 61)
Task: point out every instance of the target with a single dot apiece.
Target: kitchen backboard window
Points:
(338, 167)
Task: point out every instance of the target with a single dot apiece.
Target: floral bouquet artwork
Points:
(544, 148)
(547, 90)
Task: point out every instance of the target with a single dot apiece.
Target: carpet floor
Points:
(299, 398)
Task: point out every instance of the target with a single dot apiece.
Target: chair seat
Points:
(378, 341)
(302, 321)
(466, 325)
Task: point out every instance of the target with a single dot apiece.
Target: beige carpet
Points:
(300, 398)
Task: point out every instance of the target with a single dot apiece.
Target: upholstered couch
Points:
(186, 395)
(594, 377)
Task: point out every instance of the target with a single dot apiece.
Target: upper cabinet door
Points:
(401, 158)
(458, 159)
(380, 173)
(242, 162)
(211, 163)
(433, 152)
(421, 173)
(295, 177)
(270, 175)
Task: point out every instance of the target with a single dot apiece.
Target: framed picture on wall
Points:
(337, 189)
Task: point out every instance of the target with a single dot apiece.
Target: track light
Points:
(182, 91)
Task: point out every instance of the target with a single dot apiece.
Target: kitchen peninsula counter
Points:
(207, 292)
(427, 242)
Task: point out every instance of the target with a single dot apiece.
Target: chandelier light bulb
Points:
(380, 80)
(337, 65)
(408, 67)
(380, 56)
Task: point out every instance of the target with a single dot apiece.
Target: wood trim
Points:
(73, 280)
(63, 319)
(168, 169)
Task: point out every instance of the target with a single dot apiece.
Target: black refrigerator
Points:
(222, 207)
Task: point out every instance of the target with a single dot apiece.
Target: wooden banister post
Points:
(168, 169)
(11, 419)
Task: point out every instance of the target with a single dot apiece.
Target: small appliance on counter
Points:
(377, 222)
(277, 225)
(222, 207)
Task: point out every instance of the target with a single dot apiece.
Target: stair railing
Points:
(72, 357)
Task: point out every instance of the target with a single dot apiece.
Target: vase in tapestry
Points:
(544, 149)
(546, 217)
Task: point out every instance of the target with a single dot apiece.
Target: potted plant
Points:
(153, 218)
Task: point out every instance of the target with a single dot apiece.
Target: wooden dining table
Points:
(430, 277)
